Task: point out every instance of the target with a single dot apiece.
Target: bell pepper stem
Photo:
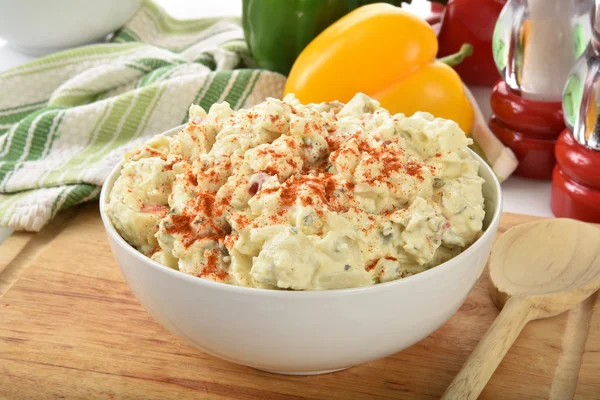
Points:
(454, 59)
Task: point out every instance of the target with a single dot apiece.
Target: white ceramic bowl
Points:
(39, 27)
(305, 332)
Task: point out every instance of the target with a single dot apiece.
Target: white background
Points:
(520, 195)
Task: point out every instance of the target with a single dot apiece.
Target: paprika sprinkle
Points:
(301, 197)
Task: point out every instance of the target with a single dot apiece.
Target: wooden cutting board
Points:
(71, 328)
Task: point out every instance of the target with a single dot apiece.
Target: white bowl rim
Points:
(297, 294)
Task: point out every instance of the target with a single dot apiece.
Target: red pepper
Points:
(471, 21)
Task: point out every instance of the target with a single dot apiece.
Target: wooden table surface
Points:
(71, 328)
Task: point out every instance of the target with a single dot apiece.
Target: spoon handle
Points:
(492, 348)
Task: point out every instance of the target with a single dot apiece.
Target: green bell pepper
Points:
(277, 31)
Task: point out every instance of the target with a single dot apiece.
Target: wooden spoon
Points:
(538, 270)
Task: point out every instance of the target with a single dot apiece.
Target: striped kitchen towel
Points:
(67, 119)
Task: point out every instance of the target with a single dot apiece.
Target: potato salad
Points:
(301, 197)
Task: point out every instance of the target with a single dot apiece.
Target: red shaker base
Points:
(529, 128)
(573, 200)
(538, 118)
(576, 180)
(536, 156)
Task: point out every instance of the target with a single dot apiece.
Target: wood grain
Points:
(70, 328)
(22, 248)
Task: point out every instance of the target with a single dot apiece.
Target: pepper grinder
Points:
(576, 177)
(535, 45)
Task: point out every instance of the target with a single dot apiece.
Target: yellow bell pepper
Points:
(386, 53)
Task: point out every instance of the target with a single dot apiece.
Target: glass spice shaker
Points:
(536, 43)
(576, 177)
